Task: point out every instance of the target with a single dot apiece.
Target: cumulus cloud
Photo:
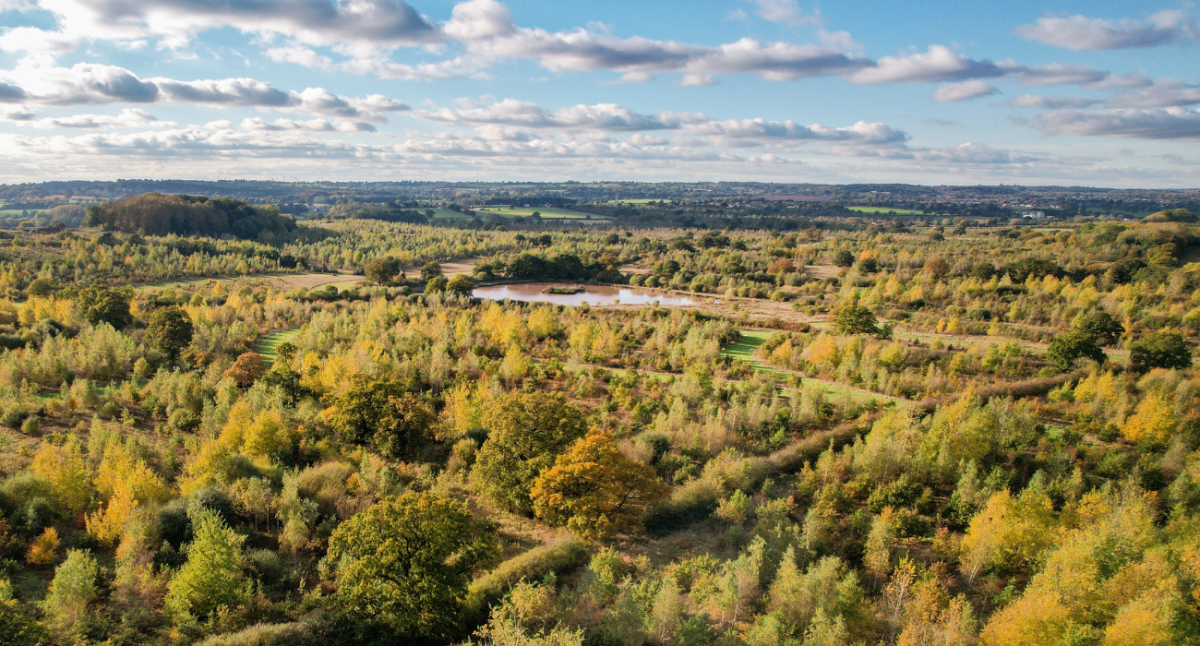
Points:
(1161, 93)
(35, 40)
(311, 125)
(1160, 123)
(963, 90)
(128, 118)
(298, 55)
(937, 64)
(787, 12)
(1080, 33)
(861, 132)
(1050, 102)
(1057, 74)
(95, 84)
(602, 116)
(314, 22)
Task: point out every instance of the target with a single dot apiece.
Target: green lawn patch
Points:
(884, 209)
(268, 346)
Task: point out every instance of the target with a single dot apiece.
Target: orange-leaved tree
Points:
(594, 490)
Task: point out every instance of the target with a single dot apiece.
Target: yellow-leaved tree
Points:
(124, 483)
(1154, 420)
(68, 472)
(594, 490)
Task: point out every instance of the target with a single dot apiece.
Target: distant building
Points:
(1034, 215)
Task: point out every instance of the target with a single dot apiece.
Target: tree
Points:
(856, 319)
(382, 271)
(844, 258)
(430, 271)
(1101, 326)
(381, 412)
(1160, 350)
(436, 284)
(1066, 348)
(461, 286)
(40, 287)
(72, 591)
(100, 305)
(527, 432)
(937, 267)
(595, 491)
(170, 331)
(248, 368)
(402, 567)
(212, 578)
(19, 628)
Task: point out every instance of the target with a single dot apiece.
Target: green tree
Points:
(527, 432)
(41, 287)
(430, 271)
(461, 286)
(594, 490)
(1160, 350)
(102, 305)
(382, 413)
(212, 578)
(856, 319)
(382, 271)
(436, 284)
(170, 331)
(403, 565)
(1101, 326)
(72, 591)
(1066, 348)
(844, 258)
(18, 628)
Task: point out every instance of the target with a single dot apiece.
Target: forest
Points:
(224, 425)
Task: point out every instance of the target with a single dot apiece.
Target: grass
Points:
(743, 349)
(647, 201)
(884, 209)
(268, 346)
(548, 212)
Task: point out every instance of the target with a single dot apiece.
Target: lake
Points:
(592, 294)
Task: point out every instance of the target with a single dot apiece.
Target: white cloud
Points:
(963, 90)
(311, 125)
(1159, 94)
(937, 64)
(787, 12)
(35, 40)
(1158, 123)
(602, 116)
(128, 118)
(1080, 33)
(298, 55)
(1050, 102)
(314, 22)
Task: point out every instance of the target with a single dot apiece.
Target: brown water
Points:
(592, 295)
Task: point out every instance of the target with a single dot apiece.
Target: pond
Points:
(591, 294)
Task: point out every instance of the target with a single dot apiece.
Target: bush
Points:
(533, 565)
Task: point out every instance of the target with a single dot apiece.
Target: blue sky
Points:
(1096, 93)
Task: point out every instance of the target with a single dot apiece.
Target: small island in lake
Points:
(563, 289)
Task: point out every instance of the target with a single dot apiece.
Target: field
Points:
(884, 209)
(269, 345)
(548, 212)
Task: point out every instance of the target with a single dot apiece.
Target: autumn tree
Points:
(247, 369)
(170, 331)
(527, 431)
(594, 490)
(1009, 532)
(382, 413)
(402, 567)
(1160, 350)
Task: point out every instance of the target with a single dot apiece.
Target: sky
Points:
(1097, 93)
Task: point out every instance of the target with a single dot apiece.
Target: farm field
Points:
(884, 209)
